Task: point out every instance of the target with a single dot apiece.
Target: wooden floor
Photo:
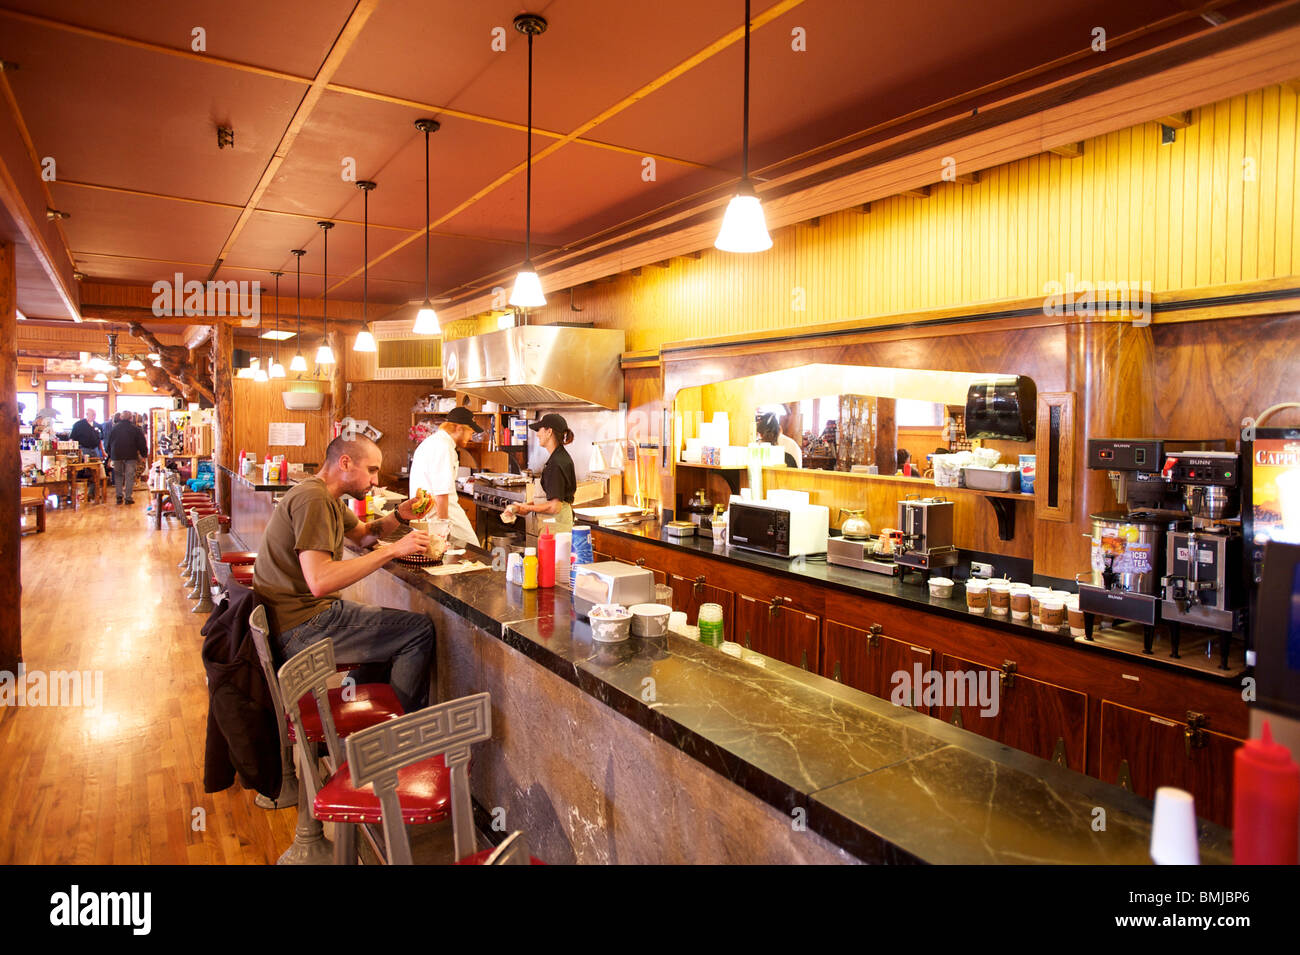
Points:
(102, 592)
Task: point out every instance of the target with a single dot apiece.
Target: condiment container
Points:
(610, 623)
(1265, 803)
(940, 587)
(650, 620)
(514, 567)
(546, 556)
(1000, 597)
(977, 596)
(530, 568)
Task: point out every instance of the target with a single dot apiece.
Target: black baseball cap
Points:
(462, 415)
(552, 421)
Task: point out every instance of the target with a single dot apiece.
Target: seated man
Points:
(300, 569)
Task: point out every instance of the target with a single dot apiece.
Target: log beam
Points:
(224, 432)
(11, 648)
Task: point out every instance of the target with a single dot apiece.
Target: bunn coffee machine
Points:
(926, 526)
(1128, 545)
(1203, 582)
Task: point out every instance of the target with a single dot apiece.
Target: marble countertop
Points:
(911, 594)
(257, 485)
(886, 783)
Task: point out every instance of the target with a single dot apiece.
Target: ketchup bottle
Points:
(546, 556)
(1265, 803)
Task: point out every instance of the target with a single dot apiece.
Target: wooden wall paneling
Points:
(387, 406)
(223, 433)
(11, 647)
(257, 404)
(337, 374)
(1054, 494)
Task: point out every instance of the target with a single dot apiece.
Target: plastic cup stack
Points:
(711, 624)
(1173, 828)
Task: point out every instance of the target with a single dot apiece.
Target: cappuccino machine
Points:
(1174, 552)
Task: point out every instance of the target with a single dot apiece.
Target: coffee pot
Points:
(856, 526)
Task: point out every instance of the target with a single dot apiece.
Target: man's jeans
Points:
(377, 636)
(124, 473)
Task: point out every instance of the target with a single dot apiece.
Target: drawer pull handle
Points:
(1194, 735)
(698, 586)
(1008, 674)
(836, 674)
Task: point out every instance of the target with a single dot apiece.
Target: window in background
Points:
(918, 414)
(66, 406)
(28, 400)
(140, 404)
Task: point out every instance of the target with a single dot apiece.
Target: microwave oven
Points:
(779, 529)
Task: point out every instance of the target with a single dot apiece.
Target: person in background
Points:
(559, 479)
(300, 570)
(87, 434)
(434, 466)
(905, 467)
(769, 431)
(126, 448)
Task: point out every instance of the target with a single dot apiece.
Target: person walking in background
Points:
(87, 434)
(126, 447)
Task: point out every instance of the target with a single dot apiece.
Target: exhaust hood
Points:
(555, 367)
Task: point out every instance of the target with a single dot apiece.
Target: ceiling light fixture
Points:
(325, 354)
(299, 363)
(426, 319)
(100, 377)
(528, 287)
(135, 365)
(277, 369)
(744, 228)
(366, 341)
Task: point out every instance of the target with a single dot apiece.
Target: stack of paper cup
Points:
(1173, 828)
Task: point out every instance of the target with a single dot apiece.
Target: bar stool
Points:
(302, 726)
(416, 769)
(234, 565)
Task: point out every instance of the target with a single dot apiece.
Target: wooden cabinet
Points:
(868, 660)
(776, 629)
(1143, 752)
(1030, 715)
(689, 594)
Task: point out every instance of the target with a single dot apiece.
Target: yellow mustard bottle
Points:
(530, 568)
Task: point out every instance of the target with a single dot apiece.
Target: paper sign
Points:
(287, 433)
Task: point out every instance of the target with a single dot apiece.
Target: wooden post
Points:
(886, 450)
(11, 646)
(223, 435)
(338, 344)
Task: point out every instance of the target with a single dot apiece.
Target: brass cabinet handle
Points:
(640, 561)
(748, 645)
(699, 586)
(836, 674)
(873, 635)
(803, 662)
(1194, 735)
(775, 604)
(1008, 674)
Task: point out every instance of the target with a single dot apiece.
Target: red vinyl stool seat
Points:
(239, 576)
(238, 556)
(480, 858)
(371, 703)
(424, 790)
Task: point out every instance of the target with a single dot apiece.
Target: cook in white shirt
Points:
(434, 467)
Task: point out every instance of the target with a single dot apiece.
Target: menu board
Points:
(1275, 489)
(286, 433)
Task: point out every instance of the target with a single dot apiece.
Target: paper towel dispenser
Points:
(1005, 408)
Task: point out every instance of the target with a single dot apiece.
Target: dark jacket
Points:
(126, 442)
(86, 434)
(243, 729)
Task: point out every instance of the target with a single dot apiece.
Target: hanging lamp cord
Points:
(528, 160)
(744, 154)
(426, 215)
(325, 293)
(277, 319)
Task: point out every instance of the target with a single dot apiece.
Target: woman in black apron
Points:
(559, 480)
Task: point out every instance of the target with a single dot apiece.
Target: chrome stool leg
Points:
(310, 847)
(204, 586)
(288, 785)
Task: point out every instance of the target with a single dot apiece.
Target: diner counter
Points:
(255, 483)
(669, 750)
(911, 594)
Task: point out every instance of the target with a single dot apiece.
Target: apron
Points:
(563, 521)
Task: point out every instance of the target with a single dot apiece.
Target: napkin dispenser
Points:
(611, 582)
(1003, 408)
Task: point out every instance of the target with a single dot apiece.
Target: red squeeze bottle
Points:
(1265, 803)
(546, 557)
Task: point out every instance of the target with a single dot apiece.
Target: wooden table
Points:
(96, 479)
(33, 497)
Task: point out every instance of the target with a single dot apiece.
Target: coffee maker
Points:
(926, 526)
(1203, 584)
(1128, 545)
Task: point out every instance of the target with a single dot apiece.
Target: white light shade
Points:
(426, 321)
(244, 373)
(101, 377)
(324, 354)
(125, 378)
(505, 321)
(277, 335)
(299, 363)
(277, 370)
(528, 289)
(154, 356)
(744, 228)
(597, 462)
(260, 374)
(139, 374)
(135, 365)
(365, 341)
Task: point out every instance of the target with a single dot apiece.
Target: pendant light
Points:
(744, 229)
(325, 354)
(426, 319)
(366, 341)
(528, 287)
(277, 369)
(259, 374)
(299, 363)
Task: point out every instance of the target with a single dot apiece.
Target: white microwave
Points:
(780, 529)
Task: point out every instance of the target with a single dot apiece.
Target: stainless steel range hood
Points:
(539, 366)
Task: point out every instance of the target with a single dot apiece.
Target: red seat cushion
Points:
(480, 858)
(371, 703)
(238, 556)
(242, 578)
(423, 789)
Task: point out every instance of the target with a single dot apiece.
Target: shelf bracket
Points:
(1005, 509)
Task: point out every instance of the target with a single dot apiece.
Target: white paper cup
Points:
(650, 620)
(999, 597)
(940, 587)
(1173, 828)
(676, 620)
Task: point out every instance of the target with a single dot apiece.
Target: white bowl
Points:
(650, 620)
(609, 624)
(940, 587)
